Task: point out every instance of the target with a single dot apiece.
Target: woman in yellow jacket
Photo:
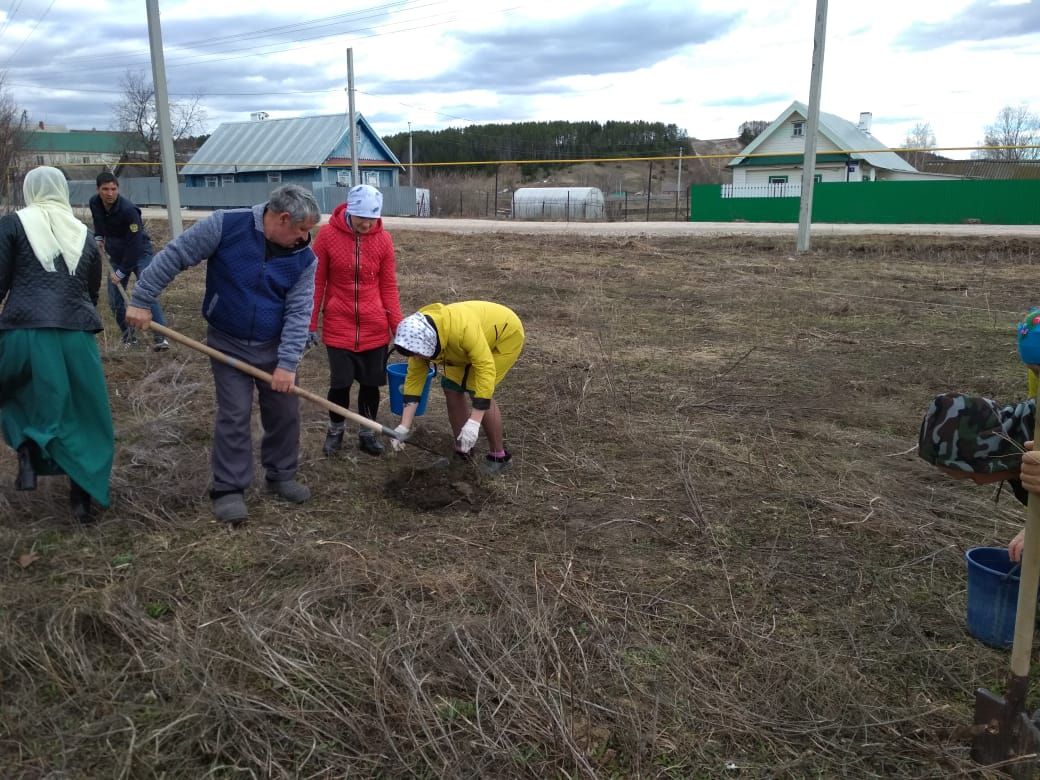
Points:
(475, 343)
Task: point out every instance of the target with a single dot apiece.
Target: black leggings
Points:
(367, 401)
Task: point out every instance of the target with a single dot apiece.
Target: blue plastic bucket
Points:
(992, 595)
(395, 374)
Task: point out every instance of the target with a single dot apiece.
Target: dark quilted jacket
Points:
(35, 298)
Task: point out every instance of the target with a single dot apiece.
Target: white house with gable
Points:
(771, 165)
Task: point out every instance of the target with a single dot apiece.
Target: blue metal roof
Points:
(278, 145)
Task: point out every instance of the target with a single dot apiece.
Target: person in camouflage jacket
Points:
(971, 437)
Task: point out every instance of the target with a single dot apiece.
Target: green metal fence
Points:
(990, 202)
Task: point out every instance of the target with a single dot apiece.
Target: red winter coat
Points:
(355, 287)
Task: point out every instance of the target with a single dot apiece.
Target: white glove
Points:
(401, 432)
(468, 436)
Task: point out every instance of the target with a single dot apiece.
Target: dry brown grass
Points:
(715, 556)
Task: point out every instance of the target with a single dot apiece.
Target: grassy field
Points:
(717, 554)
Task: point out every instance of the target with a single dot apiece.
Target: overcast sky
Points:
(704, 65)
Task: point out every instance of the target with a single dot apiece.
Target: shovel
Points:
(253, 371)
(1005, 735)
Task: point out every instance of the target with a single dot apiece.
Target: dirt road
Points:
(470, 226)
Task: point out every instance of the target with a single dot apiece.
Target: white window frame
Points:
(227, 178)
(372, 177)
(778, 180)
(343, 178)
(211, 181)
(274, 177)
(40, 160)
(797, 129)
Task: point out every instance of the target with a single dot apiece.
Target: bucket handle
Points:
(1012, 572)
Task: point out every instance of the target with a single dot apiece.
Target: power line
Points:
(11, 13)
(27, 37)
(195, 58)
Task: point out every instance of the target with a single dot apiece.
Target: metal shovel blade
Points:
(1005, 736)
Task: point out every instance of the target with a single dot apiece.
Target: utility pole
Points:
(411, 168)
(809, 160)
(678, 176)
(162, 111)
(354, 176)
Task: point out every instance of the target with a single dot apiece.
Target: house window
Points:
(274, 177)
(798, 129)
(227, 178)
(778, 180)
(86, 158)
(39, 159)
(212, 181)
(342, 178)
(817, 178)
(372, 177)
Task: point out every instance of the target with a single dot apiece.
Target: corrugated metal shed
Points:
(274, 145)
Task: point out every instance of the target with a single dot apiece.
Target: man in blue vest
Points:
(119, 231)
(257, 303)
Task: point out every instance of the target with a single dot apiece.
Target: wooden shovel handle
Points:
(1025, 617)
(253, 371)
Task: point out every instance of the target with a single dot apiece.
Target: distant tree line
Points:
(542, 141)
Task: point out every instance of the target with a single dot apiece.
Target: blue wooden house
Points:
(313, 151)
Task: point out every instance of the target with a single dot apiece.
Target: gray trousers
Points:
(232, 457)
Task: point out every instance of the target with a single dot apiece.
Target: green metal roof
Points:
(794, 159)
(93, 141)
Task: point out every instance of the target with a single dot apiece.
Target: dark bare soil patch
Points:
(443, 484)
(716, 554)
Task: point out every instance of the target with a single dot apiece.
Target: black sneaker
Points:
(370, 444)
(129, 338)
(333, 442)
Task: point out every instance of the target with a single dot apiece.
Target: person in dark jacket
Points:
(355, 294)
(53, 401)
(119, 231)
(257, 302)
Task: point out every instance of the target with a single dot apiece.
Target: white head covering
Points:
(48, 220)
(417, 335)
(364, 201)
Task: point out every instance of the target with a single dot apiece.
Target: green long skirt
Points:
(52, 392)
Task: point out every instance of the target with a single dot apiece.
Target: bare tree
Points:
(13, 137)
(751, 129)
(136, 113)
(919, 139)
(1015, 127)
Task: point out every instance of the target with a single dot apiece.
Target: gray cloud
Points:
(738, 101)
(980, 21)
(528, 59)
(86, 58)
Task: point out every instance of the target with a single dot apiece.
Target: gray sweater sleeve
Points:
(190, 248)
(298, 305)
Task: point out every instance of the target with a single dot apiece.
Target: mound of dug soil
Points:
(443, 484)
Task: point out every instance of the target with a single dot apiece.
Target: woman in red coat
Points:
(355, 292)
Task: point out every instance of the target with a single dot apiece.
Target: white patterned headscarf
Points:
(417, 335)
(48, 220)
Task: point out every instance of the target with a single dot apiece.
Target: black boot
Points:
(26, 479)
(333, 441)
(369, 443)
(79, 501)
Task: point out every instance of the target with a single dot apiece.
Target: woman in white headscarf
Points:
(53, 401)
